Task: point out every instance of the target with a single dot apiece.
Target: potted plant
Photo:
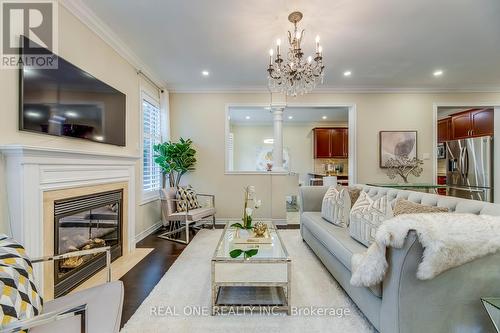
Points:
(175, 159)
(250, 204)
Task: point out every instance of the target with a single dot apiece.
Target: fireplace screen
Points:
(84, 223)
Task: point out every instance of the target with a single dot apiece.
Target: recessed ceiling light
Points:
(290, 117)
(247, 117)
(324, 117)
(71, 114)
(33, 114)
(269, 141)
(205, 73)
(347, 73)
(439, 72)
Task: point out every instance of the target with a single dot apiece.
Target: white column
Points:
(278, 139)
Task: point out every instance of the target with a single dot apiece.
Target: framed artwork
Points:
(396, 144)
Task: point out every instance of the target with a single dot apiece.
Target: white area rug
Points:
(185, 289)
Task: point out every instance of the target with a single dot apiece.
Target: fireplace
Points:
(82, 223)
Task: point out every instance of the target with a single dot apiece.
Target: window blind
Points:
(151, 173)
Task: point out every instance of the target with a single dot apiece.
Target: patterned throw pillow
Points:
(336, 205)
(366, 216)
(403, 206)
(187, 199)
(19, 298)
(354, 193)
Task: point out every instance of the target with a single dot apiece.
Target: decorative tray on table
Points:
(249, 237)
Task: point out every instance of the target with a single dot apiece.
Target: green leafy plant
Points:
(246, 254)
(175, 159)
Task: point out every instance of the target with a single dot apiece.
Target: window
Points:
(151, 135)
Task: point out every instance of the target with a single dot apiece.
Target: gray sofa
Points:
(401, 303)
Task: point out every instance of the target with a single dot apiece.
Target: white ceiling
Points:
(261, 115)
(387, 44)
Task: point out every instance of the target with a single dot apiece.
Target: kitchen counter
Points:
(321, 175)
(341, 179)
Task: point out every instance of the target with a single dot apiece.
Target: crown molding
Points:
(330, 90)
(101, 29)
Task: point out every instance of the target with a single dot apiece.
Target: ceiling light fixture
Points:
(71, 114)
(205, 73)
(439, 72)
(33, 114)
(347, 73)
(247, 117)
(292, 75)
(290, 117)
(324, 117)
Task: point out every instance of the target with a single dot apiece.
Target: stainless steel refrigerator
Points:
(470, 168)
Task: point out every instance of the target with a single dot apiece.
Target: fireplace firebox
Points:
(83, 223)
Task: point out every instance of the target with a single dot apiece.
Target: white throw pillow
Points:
(366, 216)
(336, 205)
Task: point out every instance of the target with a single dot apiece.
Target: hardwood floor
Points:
(140, 280)
(143, 277)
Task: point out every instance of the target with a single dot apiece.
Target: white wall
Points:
(202, 118)
(496, 153)
(82, 47)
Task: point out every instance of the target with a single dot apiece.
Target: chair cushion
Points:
(19, 298)
(337, 240)
(186, 199)
(336, 206)
(366, 216)
(168, 197)
(193, 215)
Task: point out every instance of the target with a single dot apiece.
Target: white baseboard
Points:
(224, 220)
(148, 231)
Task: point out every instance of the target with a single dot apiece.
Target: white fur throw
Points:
(449, 240)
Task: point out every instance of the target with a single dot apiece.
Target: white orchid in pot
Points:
(251, 204)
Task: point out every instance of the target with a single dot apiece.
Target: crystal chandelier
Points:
(293, 75)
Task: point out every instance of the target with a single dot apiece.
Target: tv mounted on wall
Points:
(67, 101)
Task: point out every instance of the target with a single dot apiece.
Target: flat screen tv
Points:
(70, 102)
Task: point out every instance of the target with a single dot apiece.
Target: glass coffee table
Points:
(257, 282)
(492, 306)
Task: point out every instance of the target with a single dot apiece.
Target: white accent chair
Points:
(181, 221)
(93, 310)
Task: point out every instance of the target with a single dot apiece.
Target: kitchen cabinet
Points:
(472, 123)
(482, 122)
(331, 142)
(322, 143)
(444, 130)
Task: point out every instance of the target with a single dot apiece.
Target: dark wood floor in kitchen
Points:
(143, 277)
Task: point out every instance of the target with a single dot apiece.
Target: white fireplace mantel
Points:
(30, 171)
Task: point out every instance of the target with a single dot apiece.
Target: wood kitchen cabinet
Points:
(331, 142)
(482, 122)
(322, 143)
(472, 123)
(444, 130)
